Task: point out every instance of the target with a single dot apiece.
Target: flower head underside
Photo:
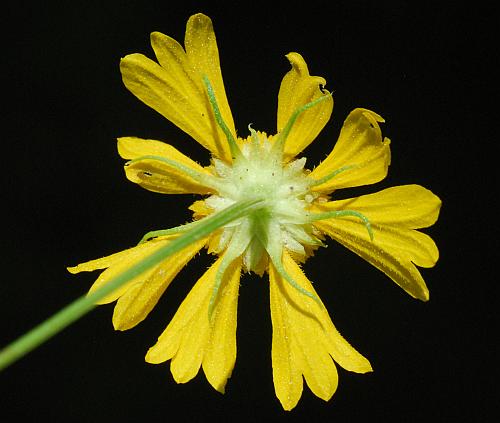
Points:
(294, 215)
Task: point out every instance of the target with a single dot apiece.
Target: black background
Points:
(65, 198)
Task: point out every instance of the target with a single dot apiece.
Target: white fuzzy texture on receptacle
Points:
(260, 173)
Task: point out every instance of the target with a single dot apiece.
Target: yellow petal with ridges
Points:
(101, 263)
(297, 89)
(130, 148)
(118, 263)
(159, 176)
(407, 206)
(396, 248)
(286, 374)
(136, 303)
(186, 363)
(360, 146)
(305, 341)
(191, 340)
(220, 356)
(203, 54)
(174, 87)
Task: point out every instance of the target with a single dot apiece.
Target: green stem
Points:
(72, 312)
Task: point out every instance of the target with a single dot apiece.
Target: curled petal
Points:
(396, 248)
(177, 174)
(360, 151)
(305, 341)
(192, 340)
(174, 87)
(297, 89)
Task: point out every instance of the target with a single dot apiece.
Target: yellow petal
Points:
(174, 87)
(130, 148)
(118, 263)
(406, 206)
(359, 145)
(203, 54)
(200, 209)
(297, 89)
(136, 303)
(396, 248)
(156, 175)
(220, 356)
(103, 262)
(191, 340)
(305, 341)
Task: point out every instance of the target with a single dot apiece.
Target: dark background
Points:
(427, 70)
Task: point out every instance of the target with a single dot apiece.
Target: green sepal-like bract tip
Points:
(233, 146)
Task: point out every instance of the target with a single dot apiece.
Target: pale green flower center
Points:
(260, 173)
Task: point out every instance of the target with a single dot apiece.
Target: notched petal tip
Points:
(305, 342)
(370, 115)
(360, 156)
(298, 63)
(368, 120)
(191, 340)
(300, 71)
(297, 89)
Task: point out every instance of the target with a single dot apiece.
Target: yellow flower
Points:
(186, 87)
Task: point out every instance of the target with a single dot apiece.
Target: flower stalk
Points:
(78, 308)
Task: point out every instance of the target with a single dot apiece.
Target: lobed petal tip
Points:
(156, 35)
(197, 19)
(221, 388)
(73, 270)
(372, 116)
(425, 296)
(298, 62)
(149, 357)
(118, 326)
(126, 58)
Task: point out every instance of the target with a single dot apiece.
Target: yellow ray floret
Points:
(192, 340)
(174, 87)
(305, 342)
(360, 153)
(397, 247)
(297, 89)
(159, 167)
(139, 296)
(262, 211)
